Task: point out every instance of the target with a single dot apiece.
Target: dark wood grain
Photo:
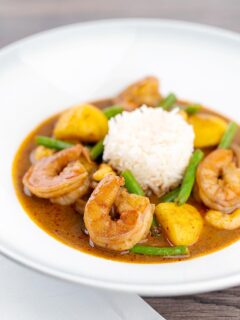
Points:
(210, 306)
(20, 18)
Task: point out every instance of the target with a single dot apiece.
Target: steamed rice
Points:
(154, 144)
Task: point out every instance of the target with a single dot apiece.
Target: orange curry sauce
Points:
(66, 225)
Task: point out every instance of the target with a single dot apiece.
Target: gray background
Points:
(20, 18)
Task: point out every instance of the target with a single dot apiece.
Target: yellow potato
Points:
(208, 129)
(103, 170)
(182, 224)
(41, 152)
(183, 114)
(83, 122)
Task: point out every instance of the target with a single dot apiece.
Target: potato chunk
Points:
(183, 114)
(208, 129)
(40, 152)
(103, 170)
(182, 224)
(83, 122)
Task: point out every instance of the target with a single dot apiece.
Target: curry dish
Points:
(136, 178)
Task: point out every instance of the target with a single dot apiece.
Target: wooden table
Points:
(20, 18)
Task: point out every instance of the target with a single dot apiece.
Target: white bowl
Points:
(50, 71)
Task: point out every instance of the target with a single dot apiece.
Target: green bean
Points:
(228, 136)
(97, 150)
(154, 221)
(155, 229)
(189, 177)
(160, 251)
(52, 143)
(131, 183)
(170, 196)
(192, 108)
(112, 111)
(168, 102)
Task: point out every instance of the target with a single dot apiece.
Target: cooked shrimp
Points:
(57, 176)
(133, 221)
(218, 179)
(80, 205)
(236, 149)
(222, 220)
(72, 196)
(141, 92)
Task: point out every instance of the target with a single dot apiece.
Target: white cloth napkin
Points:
(27, 295)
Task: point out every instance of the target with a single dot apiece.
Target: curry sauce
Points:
(66, 225)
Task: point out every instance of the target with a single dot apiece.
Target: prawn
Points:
(218, 181)
(222, 220)
(61, 177)
(72, 196)
(141, 92)
(80, 205)
(132, 218)
(236, 149)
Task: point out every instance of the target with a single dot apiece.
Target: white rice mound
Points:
(154, 144)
